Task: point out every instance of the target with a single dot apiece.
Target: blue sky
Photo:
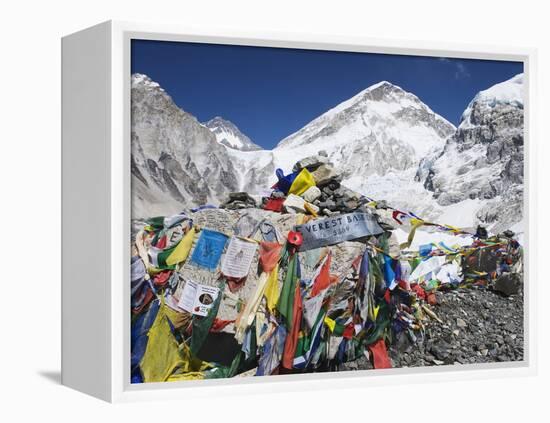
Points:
(270, 93)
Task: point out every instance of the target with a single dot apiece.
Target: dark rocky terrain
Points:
(479, 326)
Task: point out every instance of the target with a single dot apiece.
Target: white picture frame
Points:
(96, 213)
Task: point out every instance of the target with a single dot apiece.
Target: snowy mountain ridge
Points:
(376, 111)
(387, 143)
(508, 92)
(228, 134)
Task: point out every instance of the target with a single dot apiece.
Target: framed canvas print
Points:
(275, 212)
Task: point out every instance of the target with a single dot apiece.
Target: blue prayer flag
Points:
(209, 249)
(425, 249)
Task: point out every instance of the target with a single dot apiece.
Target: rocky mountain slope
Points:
(176, 161)
(483, 160)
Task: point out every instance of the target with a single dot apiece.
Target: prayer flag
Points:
(209, 249)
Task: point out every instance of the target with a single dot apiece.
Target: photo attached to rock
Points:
(298, 211)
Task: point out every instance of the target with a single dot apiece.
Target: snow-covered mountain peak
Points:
(504, 94)
(382, 120)
(228, 134)
(509, 92)
(139, 79)
(381, 90)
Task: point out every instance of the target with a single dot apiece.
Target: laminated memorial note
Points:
(238, 258)
(197, 298)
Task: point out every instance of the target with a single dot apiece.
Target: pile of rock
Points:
(336, 198)
(327, 197)
(238, 200)
(479, 326)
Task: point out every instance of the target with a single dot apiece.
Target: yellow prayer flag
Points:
(161, 356)
(164, 359)
(416, 223)
(272, 289)
(302, 183)
(181, 252)
(331, 324)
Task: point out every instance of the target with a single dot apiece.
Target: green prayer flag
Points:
(286, 299)
(201, 327)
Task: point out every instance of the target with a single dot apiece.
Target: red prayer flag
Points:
(269, 255)
(322, 281)
(396, 214)
(431, 298)
(219, 324)
(379, 353)
(420, 293)
(349, 331)
(291, 341)
(387, 296)
(161, 244)
(274, 204)
(161, 278)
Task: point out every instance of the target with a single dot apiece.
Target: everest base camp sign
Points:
(334, 230)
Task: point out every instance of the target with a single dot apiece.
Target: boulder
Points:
(328, 204)
(296, 204)
(324, 174)
(312, 194)
(508, 284)
(240, 196)
(239, 200)
(351, 204)
(277, 194)
(310, 163)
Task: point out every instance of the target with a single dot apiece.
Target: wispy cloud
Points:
(460, 69)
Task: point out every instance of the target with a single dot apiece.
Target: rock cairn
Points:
(326, 198)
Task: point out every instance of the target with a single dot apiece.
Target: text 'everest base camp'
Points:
(377, 236)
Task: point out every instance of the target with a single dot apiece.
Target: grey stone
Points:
(329, 204)
(277, 194)
(339, 193)
(508, 284)
(312, 194)
(324, 174)
(310, 163)
(241, 196)
(352, 204)
(334, 184)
